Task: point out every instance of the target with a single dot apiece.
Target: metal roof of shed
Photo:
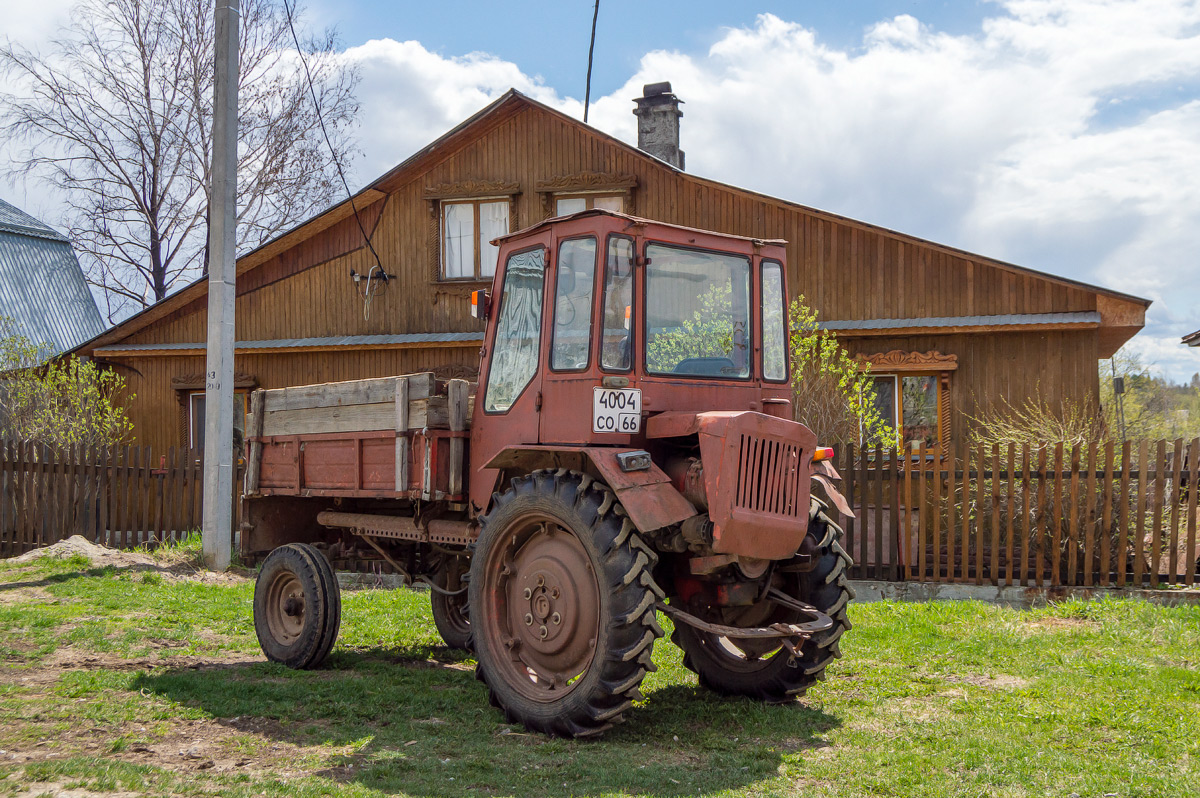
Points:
(41, 284)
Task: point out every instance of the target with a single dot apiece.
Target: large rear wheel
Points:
(562, 605)
(767, 671)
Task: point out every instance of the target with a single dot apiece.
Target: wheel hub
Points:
(549, 603)
(285, 607)
(552, 606)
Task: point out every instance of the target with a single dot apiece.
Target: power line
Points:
(332, 153)
(587, 97)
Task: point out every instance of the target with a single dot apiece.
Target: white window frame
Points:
(480, 272)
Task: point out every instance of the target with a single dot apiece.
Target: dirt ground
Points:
(170, 566)
(243, 745)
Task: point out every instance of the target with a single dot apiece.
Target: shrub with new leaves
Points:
(708, 332)
(61, 402)
(833, 393)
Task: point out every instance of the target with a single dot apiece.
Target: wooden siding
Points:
(997, 367)
(157, 412)
(847, 270)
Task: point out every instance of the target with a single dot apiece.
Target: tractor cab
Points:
(629, 318)
(610, 335)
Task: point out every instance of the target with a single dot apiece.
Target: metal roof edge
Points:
(1085, 317)
(289, 343)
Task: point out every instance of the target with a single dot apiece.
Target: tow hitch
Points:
(790, 633)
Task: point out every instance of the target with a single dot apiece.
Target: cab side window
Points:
(615, 347)
(576, 274)
(518, 330)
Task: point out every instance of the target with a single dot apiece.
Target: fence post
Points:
(1089, 506)
(878, 511)
(980, 515)
(1106, 529)
(1160, 466)
(1139, 543)
(994, 569)
(849, 471)
(1193, 561)
(864, 532)
(1056, 518)
(1173, 554)
(6, 508)
(894, 570)
(964, 521)
(1073, 523)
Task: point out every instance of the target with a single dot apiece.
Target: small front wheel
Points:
(297, 606)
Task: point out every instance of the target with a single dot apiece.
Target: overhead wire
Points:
(367, 296)
(587, 96)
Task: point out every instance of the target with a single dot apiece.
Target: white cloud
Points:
(1063, 135)
(410, 96)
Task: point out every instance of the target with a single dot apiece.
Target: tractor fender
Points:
(649, 498)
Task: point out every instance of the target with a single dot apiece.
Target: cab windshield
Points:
(697, 313)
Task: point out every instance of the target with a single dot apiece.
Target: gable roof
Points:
(41, 284)
(15, 220)
(488, 118)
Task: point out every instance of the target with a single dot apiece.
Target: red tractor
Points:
(630, 450)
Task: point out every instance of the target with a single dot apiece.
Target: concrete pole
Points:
(218, 421)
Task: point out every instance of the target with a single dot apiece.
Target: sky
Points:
(1061, 135)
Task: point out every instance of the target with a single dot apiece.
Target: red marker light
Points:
(822, 453)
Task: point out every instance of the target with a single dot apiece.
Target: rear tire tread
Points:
(623, 569)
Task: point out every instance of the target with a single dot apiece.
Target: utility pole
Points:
(222, 271)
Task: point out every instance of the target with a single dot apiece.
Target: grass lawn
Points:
(143, 680)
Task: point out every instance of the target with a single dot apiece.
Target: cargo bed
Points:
(399, 437)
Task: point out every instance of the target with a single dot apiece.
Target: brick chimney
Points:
(658, 123)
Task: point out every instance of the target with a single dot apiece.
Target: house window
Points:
(909, 404)
(912, 393)
(468, 227)
(566, 203)
(196, 411)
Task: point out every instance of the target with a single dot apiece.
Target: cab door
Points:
(509, 397)
(590, 347)
(569, 365)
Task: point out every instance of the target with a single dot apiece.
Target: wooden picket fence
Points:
(1049, 515)
(1096, 514)
(121, 497)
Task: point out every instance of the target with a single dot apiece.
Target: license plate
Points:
(617, 410)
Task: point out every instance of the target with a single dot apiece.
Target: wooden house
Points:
(944, 329)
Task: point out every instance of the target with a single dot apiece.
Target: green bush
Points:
(833, 394)
(60, 402)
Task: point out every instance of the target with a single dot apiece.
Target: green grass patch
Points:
(1091, 698)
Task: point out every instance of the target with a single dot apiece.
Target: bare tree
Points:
(119, 116)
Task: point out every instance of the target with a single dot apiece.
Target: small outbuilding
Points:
(41, 285)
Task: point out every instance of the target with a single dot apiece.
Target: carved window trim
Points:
(900, 363)
(611, 184)
(465, 191)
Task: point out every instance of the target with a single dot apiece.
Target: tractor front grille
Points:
(768, 476)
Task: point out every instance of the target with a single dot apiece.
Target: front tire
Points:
(297, 606)
(562, 605)
(778, 677)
